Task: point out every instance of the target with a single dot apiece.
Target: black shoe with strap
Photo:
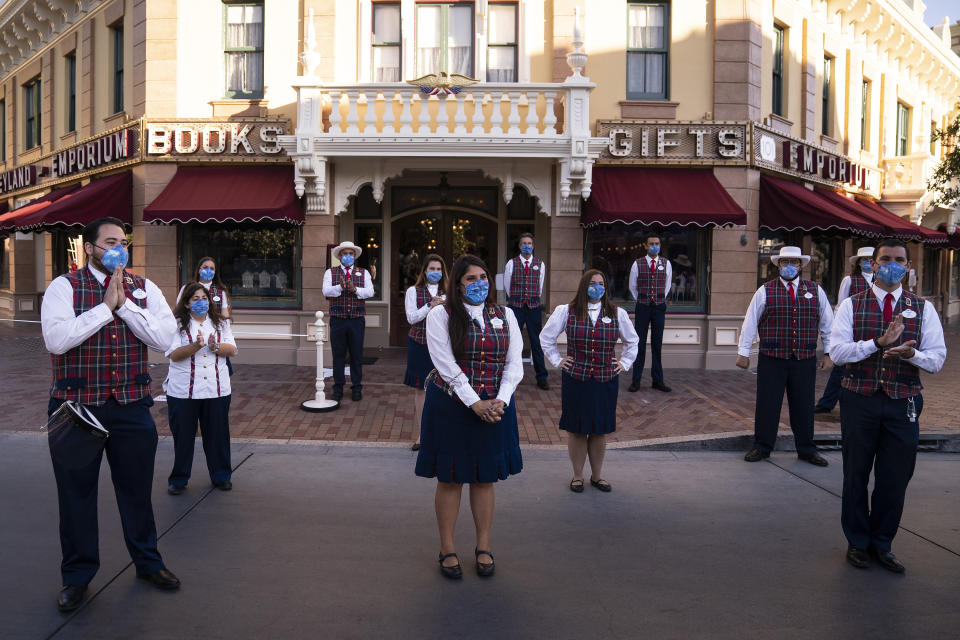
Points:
(484, 570)
(576, 486)
(454, 572)
(601, 484)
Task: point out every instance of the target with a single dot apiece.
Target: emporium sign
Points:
(673, 142)
(18, 178)
(99, 152)
(212, 140)
(789, 155)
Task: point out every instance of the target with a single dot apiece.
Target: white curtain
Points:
(245, 30)
(245, 72)
(428, 40)
(386, 64)
(646, 26)
(244, 27)
(501, 64)
(460, 40)
(645, 73)
(502, 24)
(386, 23)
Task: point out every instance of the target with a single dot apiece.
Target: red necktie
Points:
(793, 295)
(526, 267)
(653, 267)
(106, 282)
(888, 308)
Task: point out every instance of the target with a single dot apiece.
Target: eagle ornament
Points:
(442, 83)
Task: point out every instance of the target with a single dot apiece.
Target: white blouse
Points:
(206, 369)
(557, 324)
(441, 352)
(414, 314)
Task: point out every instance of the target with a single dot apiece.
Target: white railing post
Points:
(317, 332)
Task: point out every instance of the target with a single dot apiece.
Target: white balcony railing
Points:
(908, 173)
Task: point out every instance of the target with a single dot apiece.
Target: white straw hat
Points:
(346, 244)
(790, 252)
(862, 252)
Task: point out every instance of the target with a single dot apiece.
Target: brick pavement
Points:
(266, 400)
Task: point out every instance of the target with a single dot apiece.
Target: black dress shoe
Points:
(755, 455)
(223, 486)
(162, 579)
(858, 558)
(815, 459)
(174, 490)
(415, 446)
(659, 386)
(356, 396)
(70, 597)
(454, 572)
(543, 384)
(819, 409)
(887, 560)
(634, 386)
(337, 396)
(484, 570)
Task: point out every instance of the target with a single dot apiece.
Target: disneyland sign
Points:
(212, 140)
(672, 142)
(98, 152)
(18, 178)
(773, 150)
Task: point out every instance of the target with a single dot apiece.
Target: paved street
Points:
(339, 541)
(266, 400)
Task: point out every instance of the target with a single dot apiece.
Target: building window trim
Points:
(903, 130)
(779, 42)
(865, 115)
(116, 34)
(504, 45)
(662, 51)
(70, 61)
(3, 132)
(826, 116)
(374, 44)
(32, 114)
(444, 61)
(253, 93)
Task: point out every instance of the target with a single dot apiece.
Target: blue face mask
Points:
(200, 307)
(347, 260)
(891, 273)
(789, 271)
(476, 292)
(526, 249)
(206, 274)
(653, 249)
(595, 291)
(433, 277)
(866, 266)
(114, 257)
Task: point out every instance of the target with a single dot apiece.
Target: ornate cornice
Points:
(27, 26)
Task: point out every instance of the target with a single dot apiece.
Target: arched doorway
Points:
(449, 231)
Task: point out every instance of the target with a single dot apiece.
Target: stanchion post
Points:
(317, 332)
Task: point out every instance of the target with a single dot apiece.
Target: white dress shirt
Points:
(441, 352)
(930, 354)
(845, 284)
(759, 304)
(668, 266)
(224, 304)
(414, 314)
(206, 362)
(557, 324)
(331, 290)
(63, 329)
(508, 272)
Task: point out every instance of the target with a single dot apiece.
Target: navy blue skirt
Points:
(419, 364)
(457, 446)
(588, 406)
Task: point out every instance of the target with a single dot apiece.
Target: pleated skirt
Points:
(588, 406)
(419, 364)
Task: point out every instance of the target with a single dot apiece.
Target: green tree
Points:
(945, 181)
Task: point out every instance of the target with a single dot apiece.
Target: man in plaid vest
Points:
(98, 323)
(788, 313)
(523, 278)
(649, 282)
(346, 287)
(884, 336)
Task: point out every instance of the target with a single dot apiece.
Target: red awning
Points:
(110, 196)
(13, 219)
(227, 194)
(789, 206)
(659, 197)
(900, 227)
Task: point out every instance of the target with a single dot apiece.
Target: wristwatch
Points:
(877, 344)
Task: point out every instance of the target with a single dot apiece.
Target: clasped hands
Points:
(210, 342)
(114, 296)
(489, 410)
(891, 335)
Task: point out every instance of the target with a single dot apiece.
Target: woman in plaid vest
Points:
(859, 280)
(208, 275)
(198, 388)
(469, 428)
(884, 336)
(98, 323)
(590, 378)
(423, 296)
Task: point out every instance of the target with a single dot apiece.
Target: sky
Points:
(936, 9)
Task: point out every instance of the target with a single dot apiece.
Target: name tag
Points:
(606, 320)
(660, 268)
(536, 267)
(139, 294)
(909, 313)
(496, 323)
(216, 298)
(808, 295)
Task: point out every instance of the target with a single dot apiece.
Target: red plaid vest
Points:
(897, 378)
(525, 284)
(650, 288)
(484, 356)
(418, 330)
(111, 362)
(789, 329)
(858, 284)
(592, 347)
(216, 292)
(347, 305)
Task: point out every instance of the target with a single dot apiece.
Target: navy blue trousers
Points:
(831, 393)
(647, 316)
(533, 320)
(798, 379)
(131, 449)
(213, 416)
(346, 334)
(876, 435)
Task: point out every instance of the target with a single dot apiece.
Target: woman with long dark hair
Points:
(207, 275)
(420, 299)
(590, 378)
(198, 388)
(469, 427)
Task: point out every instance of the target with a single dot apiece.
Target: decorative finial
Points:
(577, 59)
(310, 57)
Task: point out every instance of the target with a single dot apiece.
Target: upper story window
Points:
(117, 33)
(31, 110)
(445, 38)
(933, 138)
(502, 43)
(777, 83)
(827, 108)
(3, 133)
(903, 129)
(386, 43)
(243, 49)
(648, 50)
(70, 68)
(865, 115)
